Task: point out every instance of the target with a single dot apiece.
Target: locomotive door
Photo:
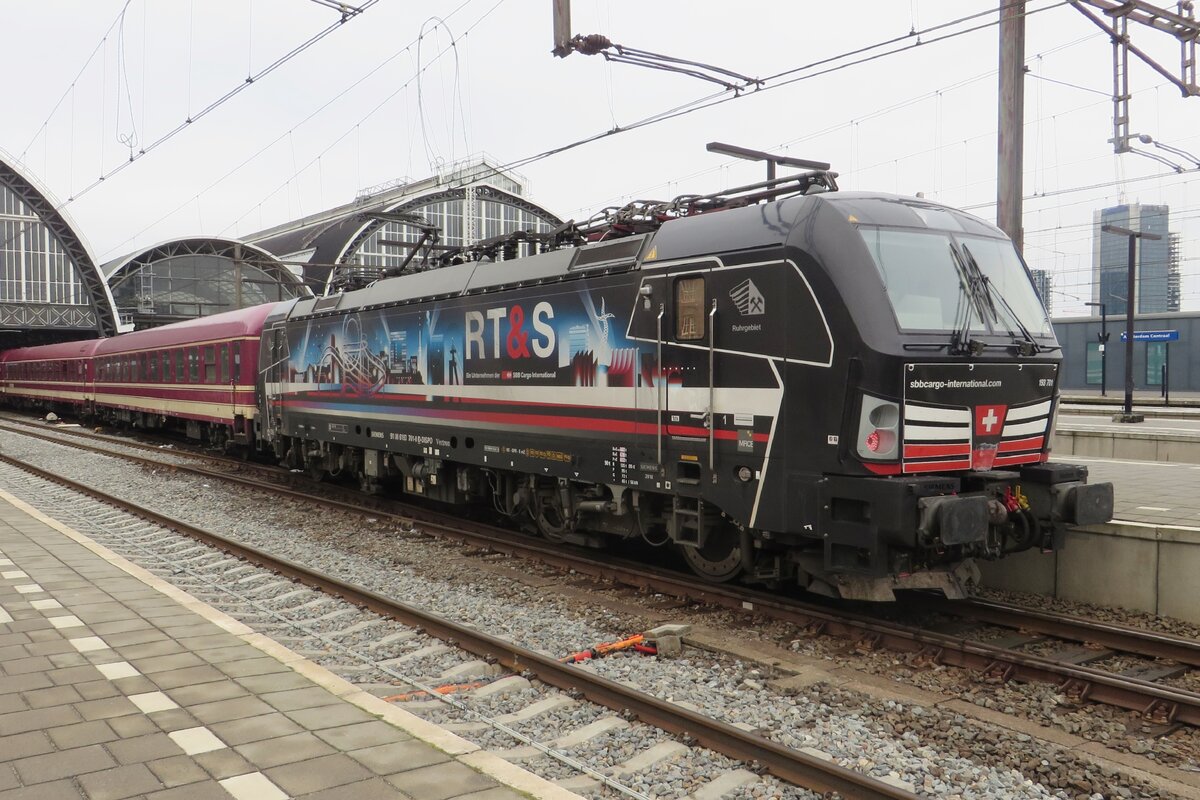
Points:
(687, 371)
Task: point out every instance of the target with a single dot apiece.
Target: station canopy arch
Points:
(196, 277)
(468, 202)
(51, 289)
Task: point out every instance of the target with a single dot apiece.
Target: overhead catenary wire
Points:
(337, 95)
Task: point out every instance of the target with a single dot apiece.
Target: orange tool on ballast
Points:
(449, 688)
(636, 643)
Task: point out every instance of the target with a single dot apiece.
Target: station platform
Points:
(116, 685)
(1146, 559)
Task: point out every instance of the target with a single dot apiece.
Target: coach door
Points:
(273, 365)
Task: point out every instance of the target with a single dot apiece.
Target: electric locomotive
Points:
(851, 392)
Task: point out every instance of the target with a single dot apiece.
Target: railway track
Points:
(1065, 649)
(797, 767)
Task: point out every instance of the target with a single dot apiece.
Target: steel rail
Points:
(1125, 638)
(1157, 702)
(797, 767)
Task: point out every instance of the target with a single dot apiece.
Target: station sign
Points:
(1152, 336)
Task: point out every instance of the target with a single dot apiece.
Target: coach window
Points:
(210, 364)
(224, 363)
(154, 366)
(237, 360)
(193, 365)
(180, 375)
(689, 309)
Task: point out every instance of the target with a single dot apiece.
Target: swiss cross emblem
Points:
(989, 420)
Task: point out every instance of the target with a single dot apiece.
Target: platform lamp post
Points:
(1103, 347)
(1131, 297)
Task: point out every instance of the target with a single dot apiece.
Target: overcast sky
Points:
(348, 112)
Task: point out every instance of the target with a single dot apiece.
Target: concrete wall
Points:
(1141, 567)
(1182, 447)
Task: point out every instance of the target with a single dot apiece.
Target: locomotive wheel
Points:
(719, 561)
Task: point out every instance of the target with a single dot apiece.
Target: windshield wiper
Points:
(961, 342)
(1028, 346)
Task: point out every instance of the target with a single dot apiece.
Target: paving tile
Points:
(148, 665)
(268, 753)
(107, 629)
(361, 735)
(106, 708)
(81, 734)
(144, 748)
(196, 740)
(176, 719)
(37, 719)
(23, 683)
(69, 659)
(177, 771)
(150, 702)
(63, 764)
(386, 759)
(495, 793)
(148, 638)
(20, 666)
(231, 654)
(120, 783)
(58, 790)
(329, 716)
(189, 676)
(23, 745)
(225, 710)
(58, 696)
(254, 786)
(440, 781)
(132, 725)
(12, 702)
(210, 692)
(73, 675)
(254, 729)
(205, 790)
(276, 682)
(50, 648)
(253, 666)
(373, 789)
(153, 649)
(8, 778)
(223, 763)
(117, 669)
(317, 774)
(296, 699)
(97, 689)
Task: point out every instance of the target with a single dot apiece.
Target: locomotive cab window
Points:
(689, 309)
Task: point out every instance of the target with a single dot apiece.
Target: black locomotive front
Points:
(947, 392)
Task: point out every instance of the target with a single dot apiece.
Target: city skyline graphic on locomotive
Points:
(849, 392)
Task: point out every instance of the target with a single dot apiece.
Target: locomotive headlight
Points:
(744, 474)
(878, 428)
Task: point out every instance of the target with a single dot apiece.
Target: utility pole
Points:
(1130, 300)
(1010, 162)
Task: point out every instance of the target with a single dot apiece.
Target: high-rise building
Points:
(1174, 251)
(1152, 264)
(1043, 282)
